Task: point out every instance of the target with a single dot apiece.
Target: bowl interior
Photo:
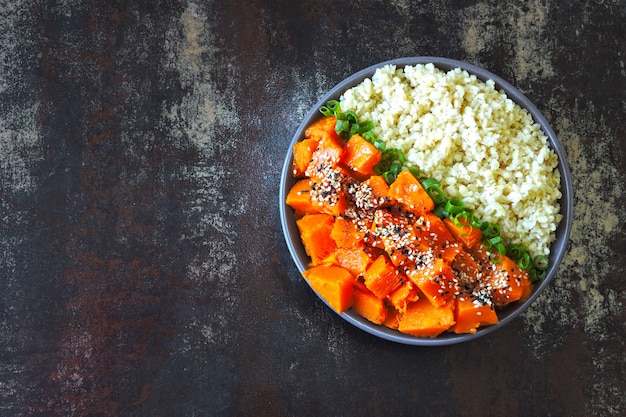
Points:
(558, 247)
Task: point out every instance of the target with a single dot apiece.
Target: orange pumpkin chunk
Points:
(360, 156)
(315, 230)
(469, 315)
(402, 296)
(354, 260)
(326, 156)
(382, 277)
(396, 236)
(368, 305)
(408, 191)
(393, 318)
(466, 269)
(347, 234)
(299, 198)
(435, 232)
(507, 281)
(302, 155)
(333, 283)
(324, 126)
(380, 188)
(423, 319)
(463, 232)
(435, 280)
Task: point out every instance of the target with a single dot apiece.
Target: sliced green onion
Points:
(380, 145)
(537, 275)
(515, 252)
(440, 212)
(524, 261)
(489, 230)
(351, 117)
(541, 262)
(342, 126)
(475, 221)
(497, 254)
(437, 195)
(496, 247)
(459, 218)
(414, 170)
(454, 206)
(430, 182)
(334, 105)
(326, 111)
(369, 136)
(365, 127)
(395, 167)
(389, 177)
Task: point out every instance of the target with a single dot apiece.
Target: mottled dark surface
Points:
(143, 271)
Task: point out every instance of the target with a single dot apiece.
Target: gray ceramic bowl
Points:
(558, 248)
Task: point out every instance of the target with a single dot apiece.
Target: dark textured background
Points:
(143, 271)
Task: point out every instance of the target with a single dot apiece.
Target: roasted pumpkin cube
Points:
(360, 156)
(469, 314)
(423, 319)
(333, 283)
(382, 277)
(408, 191)
(315, 232)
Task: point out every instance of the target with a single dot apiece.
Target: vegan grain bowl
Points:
(426, 201)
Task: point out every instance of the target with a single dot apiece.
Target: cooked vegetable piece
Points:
(423, 319)
(467, 270)
(368, 305)
(396, 236)
(402, 296)
(333, 283)
(315, 231)
(327, 191)
(326, 156)
(347, 234)
(360, 156)
(370, 193)
(469, 315)
(382, 277)
(462, 231)
(299, 198)
(408, 191)
(507, 282)
(380, 188)
(435, 280)
(322, 127)
(480, 255)
(302, 155)
(449, 252)
(435, 231)
(355, 260)
(393, 318)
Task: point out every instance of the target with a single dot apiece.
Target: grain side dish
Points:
(483, 148)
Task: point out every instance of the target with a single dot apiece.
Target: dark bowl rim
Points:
(558, 247)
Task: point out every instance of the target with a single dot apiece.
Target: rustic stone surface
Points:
(143, 270)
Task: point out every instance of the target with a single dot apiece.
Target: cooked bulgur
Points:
(478, 143)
